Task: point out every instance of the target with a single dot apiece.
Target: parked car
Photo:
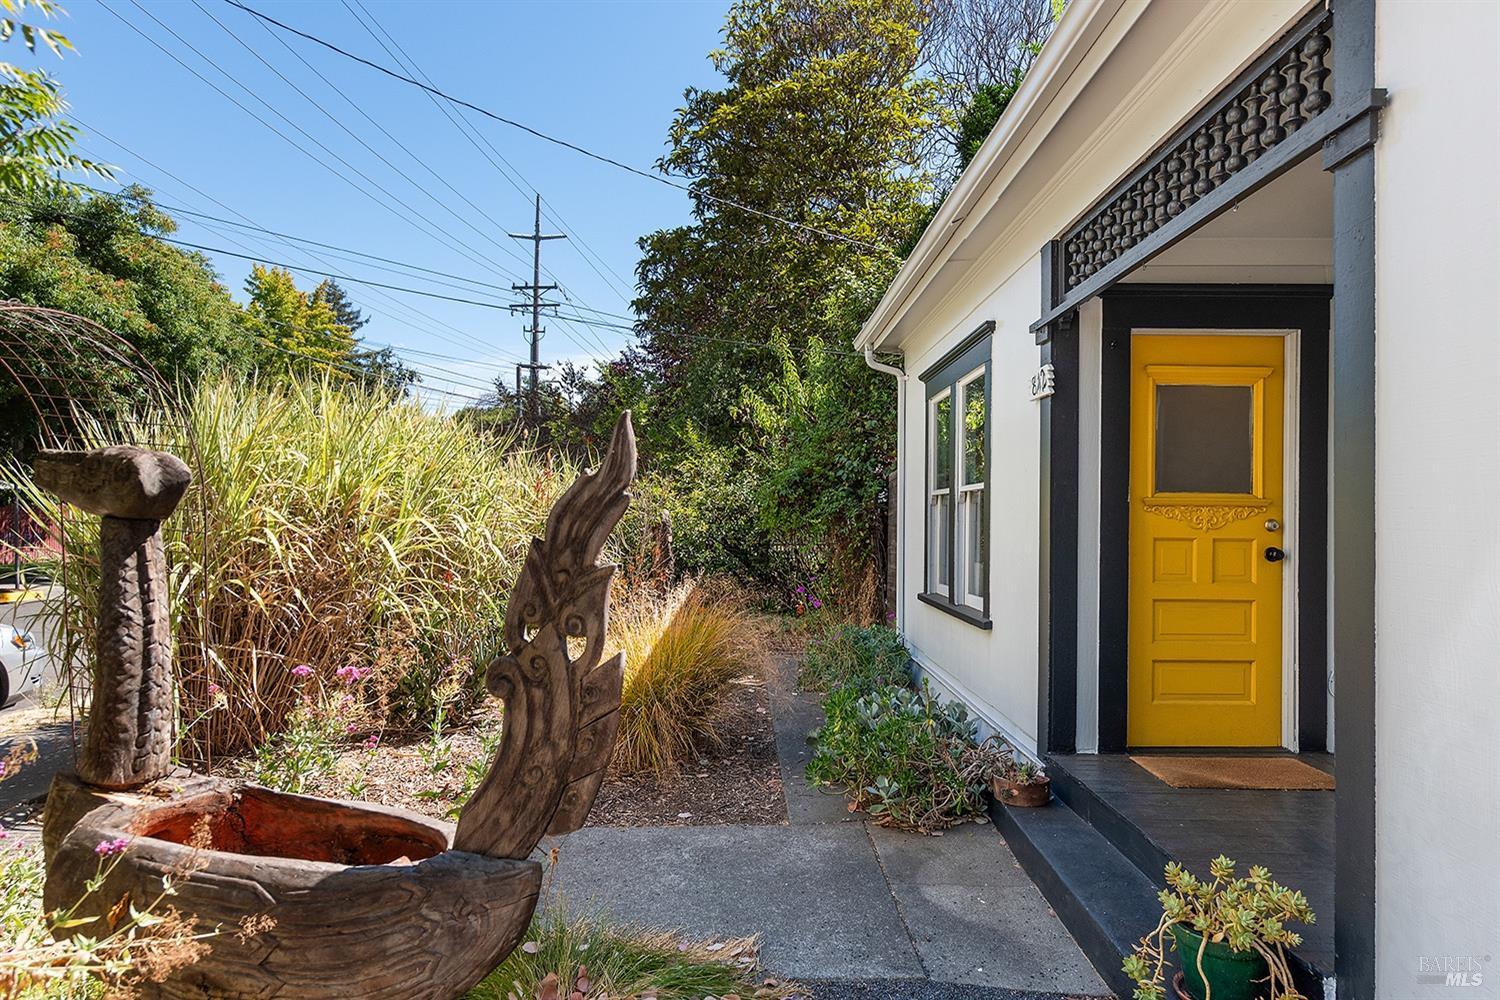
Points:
(24, 661)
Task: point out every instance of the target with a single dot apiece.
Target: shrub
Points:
(865, 656)
(682, 650)
(331, 525)
(902, 756)
(600, 960)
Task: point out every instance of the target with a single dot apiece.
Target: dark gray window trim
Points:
(972, 352)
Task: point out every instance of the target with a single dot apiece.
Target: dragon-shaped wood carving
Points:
(360, 900)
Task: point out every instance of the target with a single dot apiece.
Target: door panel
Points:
(1207, 419)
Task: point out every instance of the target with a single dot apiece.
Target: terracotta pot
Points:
(1011, 793)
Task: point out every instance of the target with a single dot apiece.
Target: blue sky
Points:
(606, 75)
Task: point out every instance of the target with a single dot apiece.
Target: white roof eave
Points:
(1079, 28)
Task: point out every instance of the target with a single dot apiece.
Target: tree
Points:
(805, 169)
(100, 258)
(819, 125)
(296, 331)
(332, 294)
(35, 141)
(973, 46)
(385, 368)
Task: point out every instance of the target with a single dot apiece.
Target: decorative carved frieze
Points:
(1292, 84)
(1205, 516)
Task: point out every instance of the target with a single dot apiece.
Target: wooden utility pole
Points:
(536, 305)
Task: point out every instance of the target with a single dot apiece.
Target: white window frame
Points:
(936, 558)
(947, 380)
(968, 493)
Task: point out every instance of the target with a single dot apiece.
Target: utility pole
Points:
(536, 305)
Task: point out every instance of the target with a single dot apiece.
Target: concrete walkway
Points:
(849, 908)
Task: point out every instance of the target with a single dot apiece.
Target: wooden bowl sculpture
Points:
(359, 900)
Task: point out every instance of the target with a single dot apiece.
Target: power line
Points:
(728, 202)
(331, 117)
(338, 250)
(422, 317)
(504, 167)
(416, 222)
(472, 134)
(482, 303)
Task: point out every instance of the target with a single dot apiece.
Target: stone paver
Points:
(851, 909)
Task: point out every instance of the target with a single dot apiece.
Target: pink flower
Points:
(373, 741)
(214, 688)
(349, 729)
(350, 674)
(302, 671)
(107, 848)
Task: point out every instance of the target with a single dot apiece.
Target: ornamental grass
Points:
(328, 525)
(682, 651)
(567, 954)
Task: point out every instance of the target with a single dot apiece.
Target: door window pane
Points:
(942, 443)
(974, 424)
(1204, 439)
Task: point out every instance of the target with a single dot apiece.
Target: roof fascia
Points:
(1081, 25)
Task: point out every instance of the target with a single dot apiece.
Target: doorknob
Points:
(1273, 554)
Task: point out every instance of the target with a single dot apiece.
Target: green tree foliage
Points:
(100, 258)
(979, 119)
(35, 140)
(820, 123)
(299, 331)
(333, 295)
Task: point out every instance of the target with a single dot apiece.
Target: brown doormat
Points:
(1276, 773)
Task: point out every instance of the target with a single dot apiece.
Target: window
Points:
(1205, 438)
(958, 461)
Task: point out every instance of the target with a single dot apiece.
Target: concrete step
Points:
(1102, 898)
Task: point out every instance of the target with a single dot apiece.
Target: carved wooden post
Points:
(129, 740)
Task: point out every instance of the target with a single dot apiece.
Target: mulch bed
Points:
(737, 781)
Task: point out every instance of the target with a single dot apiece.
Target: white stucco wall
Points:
(1438, 499)
(1107, 114)
(994, 671)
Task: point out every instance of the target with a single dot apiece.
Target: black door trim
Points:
(1215, 307)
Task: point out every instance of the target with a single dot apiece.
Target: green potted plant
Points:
(1020, 783)
(1229, 933)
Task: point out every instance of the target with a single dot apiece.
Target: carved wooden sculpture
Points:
(368, 901)
(129, 739)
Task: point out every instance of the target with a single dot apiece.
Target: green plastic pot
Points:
(1234, 975)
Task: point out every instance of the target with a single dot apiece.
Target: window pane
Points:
(937, 541)
(942, 443)
(976, 544)
(974, 449)
(1204, 439)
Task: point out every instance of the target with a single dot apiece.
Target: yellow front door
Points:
(1206, 426)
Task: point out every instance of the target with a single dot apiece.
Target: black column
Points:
(1353, 506)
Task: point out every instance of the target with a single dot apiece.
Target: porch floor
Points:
(1150, 822)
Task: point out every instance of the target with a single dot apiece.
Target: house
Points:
(1198, 452)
